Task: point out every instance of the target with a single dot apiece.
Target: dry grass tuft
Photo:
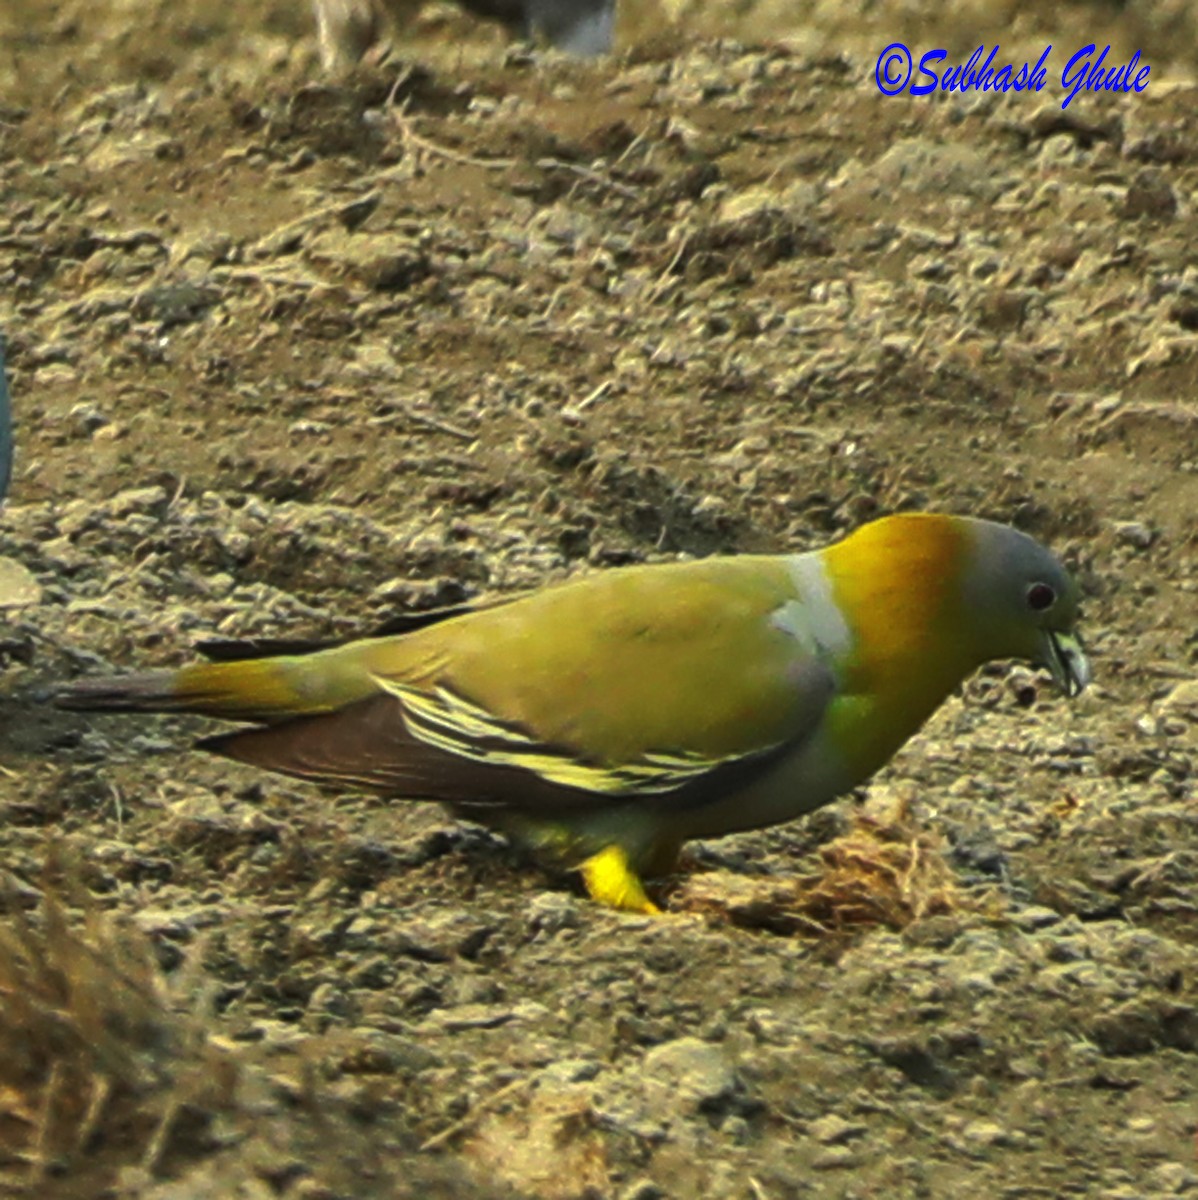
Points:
(885, 871)
(114, 1085)
(94, 1063)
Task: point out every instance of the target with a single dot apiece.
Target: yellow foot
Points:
(611, 881)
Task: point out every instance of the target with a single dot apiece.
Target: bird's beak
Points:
(1066, 659)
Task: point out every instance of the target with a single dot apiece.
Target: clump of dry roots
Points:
(886, 871)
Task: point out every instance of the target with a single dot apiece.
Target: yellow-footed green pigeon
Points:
(607, 719)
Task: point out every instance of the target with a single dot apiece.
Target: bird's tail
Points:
(261, 690)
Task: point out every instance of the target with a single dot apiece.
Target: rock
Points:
(1134, 533)
(1035, 917)
(1142, 1026)
(175, 303)
(551, 912)
(382, 262)
(986, 1133)
(1174, 1178)
(470, 1016)
(328, 1000)
(922, 166)
(374, 1052)
(836, 1158)
(375, 972)
(356, 211)
(441, 937)
(643, 1189)
(1182, 700)
(571, 1070)
(1150, 195)
(148, 501)
(833, 1129)
(696, 1072)
(18, 587)
(87, 419)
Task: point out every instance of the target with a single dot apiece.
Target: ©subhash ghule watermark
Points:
(1086, 71)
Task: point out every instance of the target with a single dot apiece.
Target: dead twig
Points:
(402, 412)
(591, 176)
(589, 399)
(422, 145)
(448, 1134)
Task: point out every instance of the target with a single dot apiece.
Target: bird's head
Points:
(1024, 603)
(956, 592)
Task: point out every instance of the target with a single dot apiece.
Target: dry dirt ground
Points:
(288, 356)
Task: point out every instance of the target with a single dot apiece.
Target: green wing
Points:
(636, 681)
(669, 680)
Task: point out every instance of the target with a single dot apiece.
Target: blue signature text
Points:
(1082, 73)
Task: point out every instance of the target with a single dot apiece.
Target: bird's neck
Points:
(911, 646)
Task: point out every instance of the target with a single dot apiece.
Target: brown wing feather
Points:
(367, 745)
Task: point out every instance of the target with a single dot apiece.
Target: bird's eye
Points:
(1040, 596)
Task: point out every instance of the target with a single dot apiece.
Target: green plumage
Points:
(636, 708)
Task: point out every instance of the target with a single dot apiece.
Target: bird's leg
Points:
(611, 881)
(661, 861)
